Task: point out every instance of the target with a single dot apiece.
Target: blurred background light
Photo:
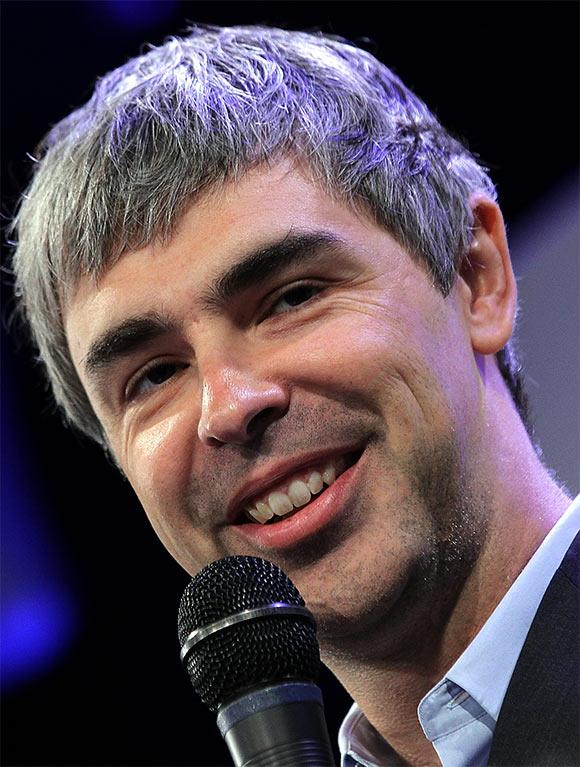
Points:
(545, 248)
(137, 14)
(38, 619)
(37, 626)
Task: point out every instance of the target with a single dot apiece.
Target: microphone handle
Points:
(280, 725)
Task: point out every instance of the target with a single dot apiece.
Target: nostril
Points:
(260, 422)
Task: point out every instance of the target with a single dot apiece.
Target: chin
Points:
(355, 600)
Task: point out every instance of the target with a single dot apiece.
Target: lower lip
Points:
(304, 522)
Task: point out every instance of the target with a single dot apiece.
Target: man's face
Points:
(279, 335)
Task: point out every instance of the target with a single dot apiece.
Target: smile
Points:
(295, 492)
(332, 484)
(284, 496)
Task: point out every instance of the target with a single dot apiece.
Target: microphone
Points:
(250, 648)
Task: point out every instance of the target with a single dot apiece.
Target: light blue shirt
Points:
(458, 715)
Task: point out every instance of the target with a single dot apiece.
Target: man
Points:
(265, 279)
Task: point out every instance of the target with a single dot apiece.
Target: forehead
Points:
(263, 206)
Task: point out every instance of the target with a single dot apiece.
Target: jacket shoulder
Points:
(539, 722)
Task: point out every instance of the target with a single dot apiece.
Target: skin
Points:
(451, 500)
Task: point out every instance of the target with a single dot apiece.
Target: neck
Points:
(388, 679)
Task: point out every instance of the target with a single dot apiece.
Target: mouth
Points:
(287, 495)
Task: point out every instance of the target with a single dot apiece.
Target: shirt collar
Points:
(485, 668)
(482, 670)
(359, 740)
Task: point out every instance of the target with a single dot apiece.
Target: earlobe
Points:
(490, 292)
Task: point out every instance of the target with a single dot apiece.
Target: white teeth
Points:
(299, 493)
(280, 503)
(315, 483)
(264, 509)
(329, 474)
(262, 513)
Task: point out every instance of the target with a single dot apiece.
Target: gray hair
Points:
(203, 109)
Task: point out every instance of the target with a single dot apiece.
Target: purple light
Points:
(138, 13)
(39, 614)
(36, 630)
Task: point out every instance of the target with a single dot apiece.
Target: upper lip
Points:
(272, 474)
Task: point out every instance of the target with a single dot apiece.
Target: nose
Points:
(236, 407)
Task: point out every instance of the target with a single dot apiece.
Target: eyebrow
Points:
(254, 268)
(266, 262)
(124, 339)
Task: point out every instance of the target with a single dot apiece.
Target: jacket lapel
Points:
(539, 722)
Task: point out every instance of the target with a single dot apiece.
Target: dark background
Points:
(90, 672)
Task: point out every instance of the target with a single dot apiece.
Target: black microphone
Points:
(250, 648)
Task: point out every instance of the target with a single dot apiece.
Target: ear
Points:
(487, 280)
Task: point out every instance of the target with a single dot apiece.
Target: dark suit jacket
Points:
(539, 721)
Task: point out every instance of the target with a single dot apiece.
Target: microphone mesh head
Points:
(251, 654)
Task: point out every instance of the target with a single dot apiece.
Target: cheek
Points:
(350, 351)
(416, 368)
(453, 365)
(158, 463)
(370, 356)
(160, 467)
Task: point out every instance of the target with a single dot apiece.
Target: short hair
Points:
(203, 109)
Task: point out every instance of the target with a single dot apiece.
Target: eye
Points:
(294, 297)
(152, 377)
